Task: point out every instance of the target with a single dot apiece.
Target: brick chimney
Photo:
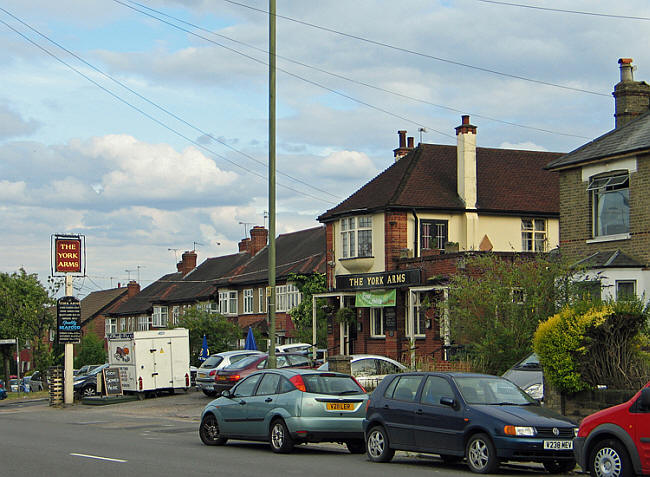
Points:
(466, 162)
(403, 148)
(632, 98)
(259, 237)
(132, 289)
(245, 245)
(187, 263)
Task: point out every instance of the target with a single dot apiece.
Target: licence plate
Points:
(558, 445)
(202, 375)
(339, 406)
(221, 378)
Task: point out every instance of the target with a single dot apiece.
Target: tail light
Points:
(140, 383)
(187, 379)
(364, 389)
(298, 383)
(233, 377)
(213, 372)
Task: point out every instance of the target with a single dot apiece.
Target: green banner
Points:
(375, 298)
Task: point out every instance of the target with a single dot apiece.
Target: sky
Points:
(143, 126)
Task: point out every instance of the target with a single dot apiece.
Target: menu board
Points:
(390, 315)
(68, 315)
(112, 381)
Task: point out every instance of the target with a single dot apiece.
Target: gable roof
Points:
(630, 138)
(98, 302)
(610, 259)
(142, 303)
(508, 182)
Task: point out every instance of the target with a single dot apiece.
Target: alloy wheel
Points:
(607, 463)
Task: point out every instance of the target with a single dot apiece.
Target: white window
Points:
(110, 325)
(377, 323)
(143, 322)
(433, 234)
(611, 204)
(248, 300)
(287, 297)
(262, 301)
(356, 236)
(228, 302)
(625, 289)
(419, 317)
(176, 314)
(533, 235)
(160, 316)
(122, 325)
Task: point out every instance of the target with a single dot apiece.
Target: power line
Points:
(424, 55)
(559, 10)
(157, 121)
(336, 75)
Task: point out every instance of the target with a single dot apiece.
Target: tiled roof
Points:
(632, 137)
(142, 302)
(610, 259)
(296, 252)
(508, 181)
(99, 302)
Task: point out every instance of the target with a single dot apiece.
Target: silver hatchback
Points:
(207, 373)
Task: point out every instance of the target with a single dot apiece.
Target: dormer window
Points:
(356, 236)
(611, 204)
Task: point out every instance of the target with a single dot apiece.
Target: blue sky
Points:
(74, 159)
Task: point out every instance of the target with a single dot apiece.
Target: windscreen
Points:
(331, 384)
(211, 362)
(491, 390)
(244, 362)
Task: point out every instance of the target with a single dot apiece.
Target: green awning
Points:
(375, 298)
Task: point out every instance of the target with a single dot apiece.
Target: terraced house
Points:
(394, 243)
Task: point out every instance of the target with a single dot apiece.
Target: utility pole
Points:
(272, 362)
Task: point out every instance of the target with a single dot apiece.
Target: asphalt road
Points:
(159, 437)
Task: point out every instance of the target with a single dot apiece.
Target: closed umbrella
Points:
(250, 340)
(205, 352)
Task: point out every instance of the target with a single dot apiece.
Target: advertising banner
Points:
(375, 298)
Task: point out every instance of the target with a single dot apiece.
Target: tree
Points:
(496, 306)
(91, 351)
(221, 334)
(25, 313)
(302, 315)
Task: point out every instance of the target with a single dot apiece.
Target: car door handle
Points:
(268, 400)
(386, 406)
(419, 411)
(242, 402)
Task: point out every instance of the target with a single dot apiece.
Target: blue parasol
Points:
(205, 352)
(250, 340)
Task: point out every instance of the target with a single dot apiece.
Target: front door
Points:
(399, 410)
(259, 405)
(234, 410)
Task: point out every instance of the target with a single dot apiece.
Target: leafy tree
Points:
(302, 314)
(91, 351)
(25, 313)
(221, 334)
(496, 305)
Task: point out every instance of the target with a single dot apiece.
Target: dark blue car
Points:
(480, 418)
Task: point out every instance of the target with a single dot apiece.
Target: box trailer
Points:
(151, 361)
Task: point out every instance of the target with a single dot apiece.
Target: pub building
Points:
(393, 245)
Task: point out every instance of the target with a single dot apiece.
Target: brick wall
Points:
(396, 238)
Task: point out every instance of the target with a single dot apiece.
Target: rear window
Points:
(243, 363)
(331, 384)
(211, 362)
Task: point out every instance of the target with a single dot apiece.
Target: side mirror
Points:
(227, 394)
(645, 398)
(447, 401)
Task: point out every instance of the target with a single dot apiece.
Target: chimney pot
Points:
(402, 138)
(627, 70)
(465, 118)
(410, 142)
(133, 288)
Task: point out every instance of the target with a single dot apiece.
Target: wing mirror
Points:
(227, 394)
(447, 401)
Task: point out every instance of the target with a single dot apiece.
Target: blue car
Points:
(3, 391)
(477, 417)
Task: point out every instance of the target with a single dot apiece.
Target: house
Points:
(96, 305)
(392, 244)
(604, 188)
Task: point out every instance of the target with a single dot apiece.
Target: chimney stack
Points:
(632, 98)
(466, 162)
(403, 148)
(187, 263)
(259, 237)
(132, 289)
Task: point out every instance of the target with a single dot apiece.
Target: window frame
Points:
(532, 237)
(375, 314)
(441, 240)
(599, 187)
(160, 316)
(248, 300)
(626, 296)
(262, 300)
(228, 302)
(352, 229)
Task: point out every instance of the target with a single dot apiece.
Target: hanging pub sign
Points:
(67, 254)
(68, 320)
(368, 281)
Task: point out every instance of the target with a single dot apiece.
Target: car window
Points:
(211, 362)
(281, 362)
(297, 360)
(329, 383)
(269, 384)
(406, 388)
(436, 387)
(285, 386)
(239, 357)
(386, 367)
(242, 363)
(247, 386)
(364, 367)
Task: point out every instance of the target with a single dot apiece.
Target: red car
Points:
(227, 377)
(615, 442)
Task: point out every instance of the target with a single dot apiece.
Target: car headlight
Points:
(575, 432)
(536, 391)
(520, 431)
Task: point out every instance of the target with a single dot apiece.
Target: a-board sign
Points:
(112, 381)
(390, 317)
(68, 314)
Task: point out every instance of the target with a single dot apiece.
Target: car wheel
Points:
(88, 391)
(481, 454)
(209, 431)
(377, 445)
(281, 441)
(559, 466)
(609, 459)
(357, 446)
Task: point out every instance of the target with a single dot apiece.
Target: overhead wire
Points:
(560, 10)
(361, 83)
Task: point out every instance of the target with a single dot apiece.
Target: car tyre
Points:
(279, 437)
(88, 391)
(357, 446)
(209, 393)
(209, 431)
(559, 466)
(451, 459)
(378, 445)
(609, 459)
(481, 454)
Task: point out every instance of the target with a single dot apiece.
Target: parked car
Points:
(227, 377)
(484, 419)
(84, 370)
(370, 369)
(36, 381)
(528, 375)
(615, 442)
(14, 385)
(207, 372)
(294, 348)
(286, 407)
(86, 385)
(3, 391)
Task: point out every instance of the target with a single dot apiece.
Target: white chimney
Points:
(466, 162)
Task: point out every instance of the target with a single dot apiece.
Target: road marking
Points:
(97, 457)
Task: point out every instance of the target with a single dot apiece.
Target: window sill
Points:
(357, 264)
(377, 337)
(609, 238)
